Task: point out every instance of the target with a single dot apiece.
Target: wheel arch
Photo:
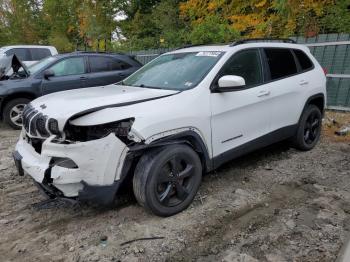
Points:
(317, 100)
(13, 96)
(189, 137)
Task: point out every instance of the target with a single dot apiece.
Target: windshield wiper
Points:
(145, 86)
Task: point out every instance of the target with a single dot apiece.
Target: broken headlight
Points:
(86, 133)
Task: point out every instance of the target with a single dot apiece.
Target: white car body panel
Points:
(223, 121)
(239, 117)
(64, 104)
(99, 164)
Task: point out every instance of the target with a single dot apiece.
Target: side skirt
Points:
(263, 141)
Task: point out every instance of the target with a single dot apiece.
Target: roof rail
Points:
(194, 45)
(248, 40)
(98, 52)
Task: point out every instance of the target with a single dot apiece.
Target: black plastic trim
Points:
(263, 141)
(18, 162)
(190, 137)
(319, 95)
(254, 40)
(98, 195)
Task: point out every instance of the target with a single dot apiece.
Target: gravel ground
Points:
(277, 204)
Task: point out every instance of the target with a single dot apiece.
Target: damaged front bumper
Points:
(89, 171)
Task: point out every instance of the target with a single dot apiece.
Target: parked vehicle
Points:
(28, 54)
(59, 73)
(183, 114)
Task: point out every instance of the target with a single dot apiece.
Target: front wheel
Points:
(309, 129)
(166, 180)
(13, 112)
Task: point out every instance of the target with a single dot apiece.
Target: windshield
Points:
(178, 71)
(41, 64)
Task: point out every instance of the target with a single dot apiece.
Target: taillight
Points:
(325, 71)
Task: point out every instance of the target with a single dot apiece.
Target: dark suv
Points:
(59, 73)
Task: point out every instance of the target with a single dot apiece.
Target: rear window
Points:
(304, 60)
(39, 53)
(281, 62)
(22, 53)
(103, 64)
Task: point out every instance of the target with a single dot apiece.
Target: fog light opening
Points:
(63, 162)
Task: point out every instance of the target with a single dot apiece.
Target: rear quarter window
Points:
(103, 64)
(281, 62)
(39, 53)
(304, 61)
(22, 53)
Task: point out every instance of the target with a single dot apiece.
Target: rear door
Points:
(105, 70)
(286, 87)
(70, 73)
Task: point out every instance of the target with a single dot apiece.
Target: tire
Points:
(166, 180)
(10, 113)
(309, 129)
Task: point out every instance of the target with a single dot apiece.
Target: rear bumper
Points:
(98, 166)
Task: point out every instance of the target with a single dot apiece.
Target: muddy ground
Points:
(277, 204)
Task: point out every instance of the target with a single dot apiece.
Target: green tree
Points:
(336, 18)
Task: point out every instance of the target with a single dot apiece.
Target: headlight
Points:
(120, 128)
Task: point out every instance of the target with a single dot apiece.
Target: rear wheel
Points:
(166, 180)
(13, 112)
(309, 129)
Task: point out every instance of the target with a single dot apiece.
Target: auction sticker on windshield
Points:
(207, 53)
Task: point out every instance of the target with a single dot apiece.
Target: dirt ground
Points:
(277, 204)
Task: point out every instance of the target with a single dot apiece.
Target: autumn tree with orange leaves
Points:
(143, 24)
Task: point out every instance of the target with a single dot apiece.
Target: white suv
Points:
(28, 54)
(181, 115)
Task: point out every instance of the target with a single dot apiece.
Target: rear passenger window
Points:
(246, 64)
(39, 53)
(22, 53)
(103, 64)
(303, 59)
(281, 62)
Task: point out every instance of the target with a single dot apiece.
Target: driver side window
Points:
(247, 64)
(70, 66)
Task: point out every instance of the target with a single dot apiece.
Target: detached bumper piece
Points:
(17, 158)
(98, 195)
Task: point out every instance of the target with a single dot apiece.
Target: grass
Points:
(334, 121)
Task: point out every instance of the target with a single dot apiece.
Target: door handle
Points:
(303, 82)
(83, 78)
(263, 93)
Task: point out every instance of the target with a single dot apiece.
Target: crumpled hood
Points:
(73, 103)
(11, 62)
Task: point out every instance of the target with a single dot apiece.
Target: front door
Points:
(243, 115)
(70, 73)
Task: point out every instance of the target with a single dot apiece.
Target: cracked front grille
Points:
(34, 122)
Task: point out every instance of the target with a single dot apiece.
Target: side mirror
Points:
(48, 73)
(230, 83)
